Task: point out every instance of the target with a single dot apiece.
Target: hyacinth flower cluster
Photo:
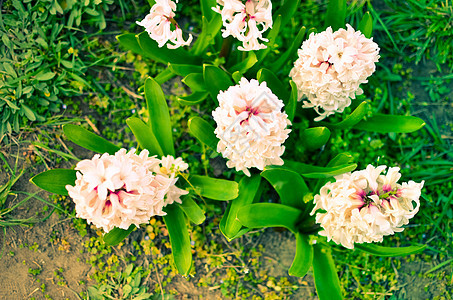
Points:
(364, 206)
(251, 126)
(246, 21)
(162, 27)
(330, 68)
(125, 188)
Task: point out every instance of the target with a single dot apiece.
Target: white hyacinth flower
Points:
(125, 188)
(159, 22)
(366, 205)
(330, 68)
(251, 126)
(243, 21)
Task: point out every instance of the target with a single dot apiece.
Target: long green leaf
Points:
(159, 116)
(390, 123)
(144, 136)
(184, 70)
(89, 140)
(192, 99)
(116, 235)
(244, 65)
(304, 256)
(248, 187)
(310, 171)
(192, 210)
(165, 55)
(196, 82)
(164, 76)
(179, 238)
(289, 185)
(129, 41)
(261, 215)
(210, 28)
(326, 277)
(290, 52)
(352, 119)
(204, 132)
(218, 80)
(366, 25)
(206, 8)
(213, 188)
(315, 137)
(286, 11)
(276, 86)
(291, 106)
(55, 180)
(389, 251)
(336, 14)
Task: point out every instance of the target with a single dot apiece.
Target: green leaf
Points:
(289, 185)
(44, 76)
(9, 69)
(310, 171)
(159, 116)
(55, 180)
(366, 25)
(390, 123)
(336, 14)
(28, 112)
(179, 238)
(352, 119)
(196, 82)
(116, 235)
(184, 70)
(341, 159)
(144, 136)
(193, 98)
(315, 137)
(274, 84)
(244, 65)
(304, 256)
(213, 188)
(389, 251)
(164, 55)
(164, 76)
(261, 215)
(286, 11)
(290, 53)
(210, 28)
(237, 76)
(206, 8)
(248, 187)
(192, 210)
(204, 132)
(89, 140)
(218, 80)
(326, 277)
(291, 106)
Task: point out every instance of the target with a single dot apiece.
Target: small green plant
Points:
(126, 285)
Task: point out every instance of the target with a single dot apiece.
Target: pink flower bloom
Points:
(250, 126)
(125, 188)
(364, 206)
(330, 68)
(159, 22)
(243, 21)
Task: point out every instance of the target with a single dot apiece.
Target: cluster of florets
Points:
(125, 188)
(330, 68)
(251, 126)
(243, 21)
(162, 27)
(364, 206)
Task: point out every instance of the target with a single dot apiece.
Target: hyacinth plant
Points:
(119, 189)
(256, 110)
